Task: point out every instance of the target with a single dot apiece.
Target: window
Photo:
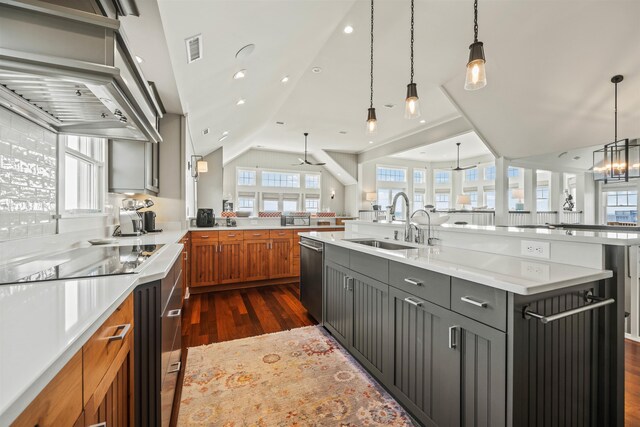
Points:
(513, 172)
(270, 205)
(490, 173)
(442, 177)
(419, 176)
(391, 174)
(281, 179)
(312, 181)
(312, 205)
(290, 205)
(84, 174)
(512, 201)
(246, 177)
(471, 175)
(246, 204)
(442, 201)
(490, 199)
(542, 198)
(418, 200)
(622, 206)
(385, 197)
(473, 196)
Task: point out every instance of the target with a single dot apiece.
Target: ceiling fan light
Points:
(372, 121)
(412, 102)
(476, 75)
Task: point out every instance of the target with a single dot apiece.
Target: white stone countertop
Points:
(43, 324)
(512, 274)
(617, 238)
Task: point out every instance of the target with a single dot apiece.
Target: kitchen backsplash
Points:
(27, 178)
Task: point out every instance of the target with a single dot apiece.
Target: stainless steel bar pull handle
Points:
(412, 301)
(453, 343)
(470, 300)
(528, 314)
(310, 247)
(174, 313)
(344, 282)
(119, 337)
(102, 424)
(174, 367)
(414, 282)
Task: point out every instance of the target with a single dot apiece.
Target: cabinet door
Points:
(204, 271)
(256, 260)
(370, 322)
(338, 303)
(230, 262)
(482, 356)
(280, 258)
(152, 166)
(425, 371)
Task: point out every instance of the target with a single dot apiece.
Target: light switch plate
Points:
(535, 248)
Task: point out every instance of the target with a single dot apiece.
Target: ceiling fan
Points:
(305, 161)
(458, 168)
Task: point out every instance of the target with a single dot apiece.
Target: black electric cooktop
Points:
(94, 261)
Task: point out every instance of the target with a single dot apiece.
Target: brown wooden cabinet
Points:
(186, 263)
(256, 259)
(204, 269)
(230, 261)
(280, 258)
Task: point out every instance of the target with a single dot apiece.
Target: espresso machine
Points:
(131, 220)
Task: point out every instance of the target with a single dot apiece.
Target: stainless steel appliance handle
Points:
(102, 424)
(310, 247)
(528, 314)
(411, 301)
(414, 282)
(177, 365)
(174, 313)
(119, 337)
(452, 334)
(470, 300)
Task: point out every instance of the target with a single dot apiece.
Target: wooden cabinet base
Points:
(255, 284)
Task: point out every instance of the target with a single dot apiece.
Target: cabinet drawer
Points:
(336, 254)
(204, 235)
(256, 234)
(170, 324)
(479, 302)
(369, 265)
(433, 287)
(281, 234)
(102, 348)
(169, 381)
(60, 402)
(230, 236)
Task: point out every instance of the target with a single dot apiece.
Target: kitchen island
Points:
(463, 337)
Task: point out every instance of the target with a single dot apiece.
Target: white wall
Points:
(278, 160)
(210, 183)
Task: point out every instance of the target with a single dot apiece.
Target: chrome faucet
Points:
(407, 225)
(420, 237)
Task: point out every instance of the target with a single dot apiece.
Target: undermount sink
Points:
(380, 244)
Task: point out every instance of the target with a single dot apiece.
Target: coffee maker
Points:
(130, 222)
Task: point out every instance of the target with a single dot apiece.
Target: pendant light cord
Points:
(371, 96)
(412, 41)
(615, 114)
(475, 21)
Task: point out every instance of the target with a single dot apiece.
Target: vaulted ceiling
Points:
(548, 69)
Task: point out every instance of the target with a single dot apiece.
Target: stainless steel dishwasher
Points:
(311, 267)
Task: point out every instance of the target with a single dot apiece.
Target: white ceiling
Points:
(548, 65)
(471, 146)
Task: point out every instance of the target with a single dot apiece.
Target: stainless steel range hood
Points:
(72, 72)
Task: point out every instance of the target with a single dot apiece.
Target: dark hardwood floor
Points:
(229, 315)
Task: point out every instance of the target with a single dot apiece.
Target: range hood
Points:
(72, 72)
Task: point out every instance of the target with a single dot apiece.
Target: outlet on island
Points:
(534, 248)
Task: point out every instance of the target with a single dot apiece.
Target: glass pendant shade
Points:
(412, 103)
(372, 122)
(617, 161)
(476, 75)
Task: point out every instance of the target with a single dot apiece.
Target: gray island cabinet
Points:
(458, 353)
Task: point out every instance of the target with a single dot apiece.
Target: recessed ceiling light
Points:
(370, 142)
(225, 133)
(343, 132)
(285, 79)
(140, 60)
(241, 101)
(348, 29)
(280, 123)
(240, 75)
(316, 70)
(389, 105)
(423, 121)
(245, 51)
(222, 138)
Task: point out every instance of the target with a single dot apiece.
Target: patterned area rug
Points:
(300, 377)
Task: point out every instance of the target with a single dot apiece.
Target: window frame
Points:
(99, 168)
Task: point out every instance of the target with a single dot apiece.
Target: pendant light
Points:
(412, 103)
(372, 122)
(476, 76)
